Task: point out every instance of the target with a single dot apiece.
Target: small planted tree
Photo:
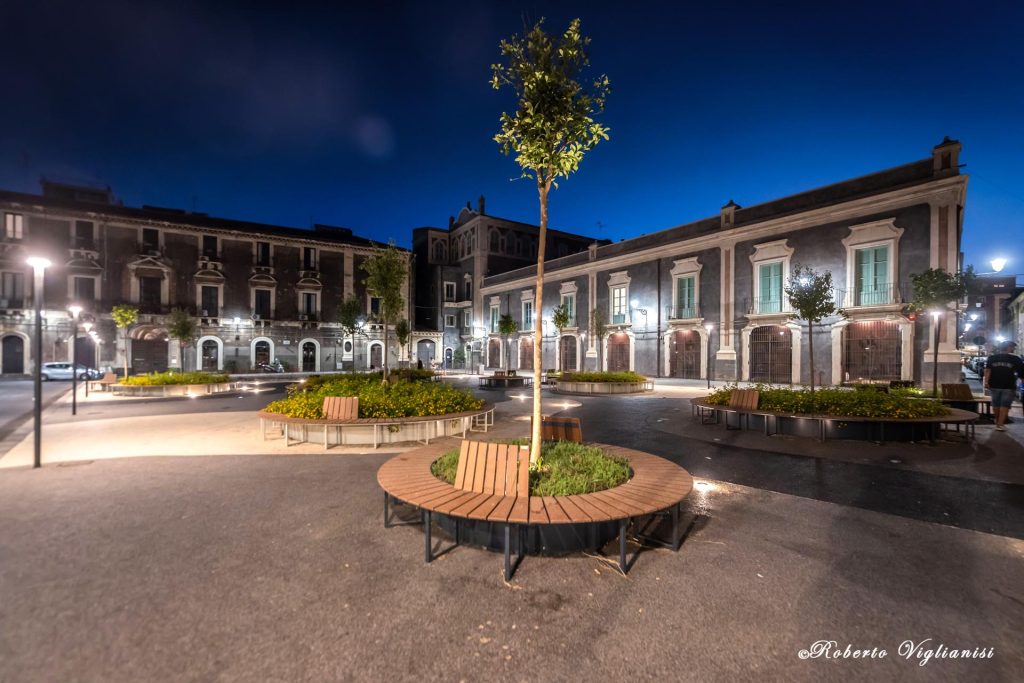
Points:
(598, 331)
(561, 319)
(385, 274)
(181, 327)
(507, 327)
(811, 297)
(402, 333)
(551, 129)
(349, 315)
(934, 290)
(124, 317)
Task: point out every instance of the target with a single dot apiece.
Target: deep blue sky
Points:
(380, 118)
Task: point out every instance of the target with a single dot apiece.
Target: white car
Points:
(63, 371)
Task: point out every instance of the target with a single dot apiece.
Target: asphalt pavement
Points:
(17, 397)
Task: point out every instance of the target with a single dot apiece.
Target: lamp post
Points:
(935, 352)
(709, 327)
(39, 266)
(89, 331)
(75, 310)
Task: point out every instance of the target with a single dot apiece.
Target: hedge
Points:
(897, 405)
(163, 378)
(617, 377)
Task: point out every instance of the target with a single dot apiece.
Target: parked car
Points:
(270, 367)
(63, 371)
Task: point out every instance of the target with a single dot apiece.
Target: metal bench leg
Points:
(623, 525)
(508, 557)
(387, 515)
(675, 526)
(426, 528)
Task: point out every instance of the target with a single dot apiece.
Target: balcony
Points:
(767, 306)
(887, 294)
(682, 312)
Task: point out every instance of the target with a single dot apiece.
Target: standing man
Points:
(1001, 373)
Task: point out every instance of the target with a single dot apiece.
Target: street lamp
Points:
(935, 351)
(39, 266)
(87, 326)
(709, 327)
(75, 310)
(998, 264)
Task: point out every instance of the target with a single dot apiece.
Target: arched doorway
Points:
(618, 352)
(85, 351)
(526, 353)
(567, 352)
(684, 354)
(148, 349)
(309, 357)
(13, 355)
(261, 353)
(449, 358)
(210, 355)
(771, 354)
(494, 353)
(376, 356)
(425, 352)
(872, 352)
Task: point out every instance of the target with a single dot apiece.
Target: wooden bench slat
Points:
(520, 512)
(538, 515)
(450, 505)
(554, 511)
(595, 513)
(341, 407)
(469, 505)
(487, 506)
(523, 479)
(575, 513)
(501, 511)
(460, 472)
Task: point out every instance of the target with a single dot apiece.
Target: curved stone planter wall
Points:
(369, 431)
(173, 389)
(601, 388)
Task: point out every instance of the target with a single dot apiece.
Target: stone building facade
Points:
(452, 264)
(258, 293)
(708, 295)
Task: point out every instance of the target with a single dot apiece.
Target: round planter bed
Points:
(602, 388)
(822, 427)
(376, 431)
(543, 525)
(159, 390)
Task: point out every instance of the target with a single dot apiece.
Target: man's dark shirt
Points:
(1003, 369)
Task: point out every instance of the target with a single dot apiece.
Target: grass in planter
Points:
(566, 469)
(896, 404)
(602, 377)
(155, 379)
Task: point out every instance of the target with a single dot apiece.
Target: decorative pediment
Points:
(209, 275)
(81, 265)
(262, 280)
(309, 283)
(149, 262)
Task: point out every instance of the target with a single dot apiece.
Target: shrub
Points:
(376, 399)
(602, 377)
(568, 469)
(164, 378)
(899, 404)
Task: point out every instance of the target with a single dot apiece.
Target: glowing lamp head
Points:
(634, 303)
(238, 321)
(974, 316)
(998, 264)
(804, 281)
(87, 327)
(74, 310)
(38, 262)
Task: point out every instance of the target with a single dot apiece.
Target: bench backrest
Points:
(499, 373)
(341, 407)
(958, 392)
(494, 468)
(561, 429)
(744, 399)
(109, 378)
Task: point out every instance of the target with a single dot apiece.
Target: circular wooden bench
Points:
(656, 486)
(931, 425)
(426, 427)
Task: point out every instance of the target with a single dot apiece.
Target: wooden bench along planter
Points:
(601, 388)
(375, 431)
(931, 425)
(492, 486)
(107, 380)
(557, 428)
(162, 390)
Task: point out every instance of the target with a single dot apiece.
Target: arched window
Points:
(495, 241)
(439, 252)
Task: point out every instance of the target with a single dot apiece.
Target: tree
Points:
(561, 319)
(459, 357)
(598, 331)
(182, 328)
(386, 271)
(402, 333)
(349, 315)
(551, 130)
(507, 326)
(811, 297)
(934, 290)
(124, 317)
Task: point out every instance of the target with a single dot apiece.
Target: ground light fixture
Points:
(709, 327)
(75, 310)
(39, 266)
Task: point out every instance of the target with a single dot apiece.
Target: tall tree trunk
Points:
(126, 352)
(810, 350)
(384, 360)
(538, 312)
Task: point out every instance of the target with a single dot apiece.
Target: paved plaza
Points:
(272, 564)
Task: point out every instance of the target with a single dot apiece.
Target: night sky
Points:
(380, 117)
